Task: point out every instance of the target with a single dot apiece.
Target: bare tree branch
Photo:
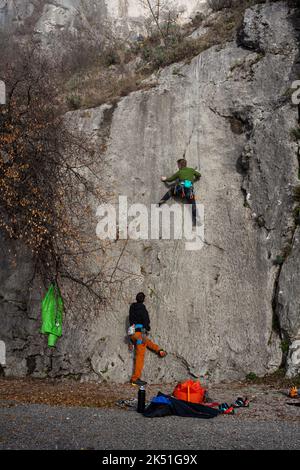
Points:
(156, 18)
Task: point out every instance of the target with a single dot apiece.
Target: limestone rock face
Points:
(13, 13)
(50, 16)
(18, 317)
(289, 304)
(215, 309)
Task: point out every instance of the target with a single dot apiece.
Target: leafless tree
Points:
(163, 14)
(48, 174)
(154, 8)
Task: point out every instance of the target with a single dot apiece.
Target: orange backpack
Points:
(191, 391)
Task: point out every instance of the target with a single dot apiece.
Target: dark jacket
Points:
(173, 406)
(139, 314)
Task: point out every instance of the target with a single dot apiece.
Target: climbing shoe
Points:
(138, 382)
(293, 392)
(241, 403)
(226, 409)
(162, 353)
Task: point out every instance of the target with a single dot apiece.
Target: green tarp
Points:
(52, 314)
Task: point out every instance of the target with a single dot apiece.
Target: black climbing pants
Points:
(177, 191)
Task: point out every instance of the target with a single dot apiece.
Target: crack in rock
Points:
(185, 364)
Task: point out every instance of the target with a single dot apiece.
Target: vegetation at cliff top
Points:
(112, 69)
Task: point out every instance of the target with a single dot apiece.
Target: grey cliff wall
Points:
(225, 309)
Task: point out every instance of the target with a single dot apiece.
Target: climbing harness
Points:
(134, 328)
(138, 327)
(185, 189)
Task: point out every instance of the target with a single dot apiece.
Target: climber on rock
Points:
(138, 334)
(184, 186)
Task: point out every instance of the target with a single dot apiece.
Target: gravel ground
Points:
(37, 415)
(45, 427)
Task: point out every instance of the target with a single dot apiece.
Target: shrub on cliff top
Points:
(217, 5)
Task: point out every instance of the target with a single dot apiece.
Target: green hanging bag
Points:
(52, 315)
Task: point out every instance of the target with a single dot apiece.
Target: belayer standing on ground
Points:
(140, 327)
(184, 186)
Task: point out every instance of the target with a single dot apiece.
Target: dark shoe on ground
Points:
(241, 403)
(138, 383)
(226, 409)
(229, 411)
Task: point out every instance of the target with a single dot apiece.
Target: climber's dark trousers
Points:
(170, 194)
(166, 197)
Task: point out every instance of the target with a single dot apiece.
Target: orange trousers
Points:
(140, 350)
